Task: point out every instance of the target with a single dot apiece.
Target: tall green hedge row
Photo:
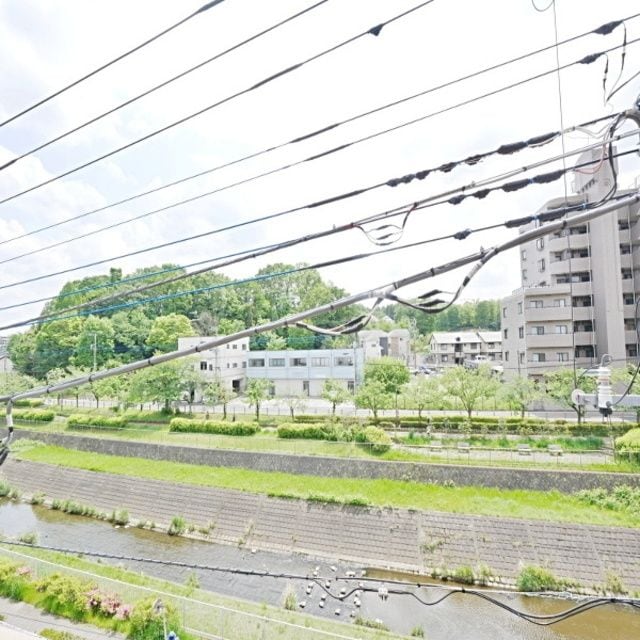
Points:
(182, 425)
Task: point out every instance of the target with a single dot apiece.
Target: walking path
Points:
(375, 537)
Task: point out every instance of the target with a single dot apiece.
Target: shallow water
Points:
(460, 616)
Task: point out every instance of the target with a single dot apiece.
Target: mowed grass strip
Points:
(535, 505)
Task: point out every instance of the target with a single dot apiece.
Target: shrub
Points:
(378, 439)
(417, 632)
(463, 575)
(28, 402)
(30, 537)
(184, 425)
(621, 498)
(146, 416)
(307, 431)
(177, 526)
(120, 517)
(371, 624)
(13, 583)
(83, 420)
(34, 415)
(147, 620)
(5, 489)
(630, 441)
(532, 578)
(54, 634)
(305, 419)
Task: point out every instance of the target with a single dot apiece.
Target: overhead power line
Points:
(375, 31)
(202, 9)
(435, 198)
(602, 30)
(130, 101)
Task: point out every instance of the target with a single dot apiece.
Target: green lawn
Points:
(537, 505)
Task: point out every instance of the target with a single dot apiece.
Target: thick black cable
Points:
(602, 30)
(375, 31)
(505, 149)
(422, 204)
(202, 9)
(130, 101)
(320, 581)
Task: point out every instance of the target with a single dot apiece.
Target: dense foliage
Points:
(183, 425)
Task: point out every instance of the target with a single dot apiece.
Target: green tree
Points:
(131, 329)
(372, 395)
(560, 384)
(95, 343)
(55, 345)
(13, 382)
(392, 374)
(162, 383)
(519, 393)
(165, 331)
(114, 388)
(469, 385)
(295, 403)
(21, 350)
(335, 393)
(423, 392)
(217, 392)
(256, 393)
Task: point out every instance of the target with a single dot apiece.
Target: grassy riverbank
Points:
(535, 505)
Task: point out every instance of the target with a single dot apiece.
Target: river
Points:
(460, 616)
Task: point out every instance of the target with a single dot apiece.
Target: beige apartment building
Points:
(579, 288)
(450, 348)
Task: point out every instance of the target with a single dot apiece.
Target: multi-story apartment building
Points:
(579, 288)
(303, 372)
(226, 363)
(376, 344)
(450, 348)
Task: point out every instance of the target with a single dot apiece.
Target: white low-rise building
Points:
(449, 348)
(377, 344)
(303, 372)
(226, 363)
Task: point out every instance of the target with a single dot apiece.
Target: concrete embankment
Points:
(324, 466)
(384, 538)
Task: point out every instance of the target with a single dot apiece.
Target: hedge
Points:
(630, 441)
(307, 419)
(34, 415)
(378, 439)
(183, 425)
(147, 416)
(317, 431)
(28, 402)
(84, 420)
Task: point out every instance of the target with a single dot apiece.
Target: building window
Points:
(562, 328)
(351, 386)
(506, 356)
(276, 362)
(523, 254)
(319, 362)
(519, 307)
(244, 347)
(541, 265)
(203, 365)
(538, 357)
(562, 356)
(234, 346)
(305, 387)
(244, 365)
(629, 324)
(538, 331)
(473, 346)
(234, 365)
(625, 249)
(632, 350)
(524, 274)
(343, 361)
(298, 362)
(504, 312)
(536, 304)
(627, 298)
(521, 357)
(272, 389)
(626, 274)
(520, 332)
(540, 244)
(505, 334)
(210, 367)
(444, 358)
(560, 302)
(256, 362)
(228, 365)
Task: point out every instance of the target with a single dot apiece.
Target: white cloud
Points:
(50, 45)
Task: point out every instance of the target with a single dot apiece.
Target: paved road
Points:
(384, 538)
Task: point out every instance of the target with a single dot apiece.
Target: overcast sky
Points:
(45, 44)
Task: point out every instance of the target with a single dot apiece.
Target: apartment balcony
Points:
(547, 314)
(626, 261)
(582, 313)
(582, 289)
(630, 337)
(584, 338)
(549, 341)
(575, 265)
(628, 285)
